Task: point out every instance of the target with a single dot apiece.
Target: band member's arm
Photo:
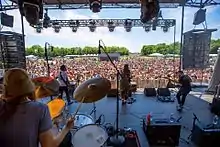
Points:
(46, 137)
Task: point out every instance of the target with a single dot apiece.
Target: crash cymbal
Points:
(45, 86)
(92, 90)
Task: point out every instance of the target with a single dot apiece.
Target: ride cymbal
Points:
(92, 90)
(45, 86)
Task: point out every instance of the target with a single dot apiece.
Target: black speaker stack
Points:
(12, 50)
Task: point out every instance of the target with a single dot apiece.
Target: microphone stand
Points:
(116, 140)
(47, 61)
(46, 57)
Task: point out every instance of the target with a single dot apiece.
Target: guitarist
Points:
(185, 88)
(184, 82)
(64, 83)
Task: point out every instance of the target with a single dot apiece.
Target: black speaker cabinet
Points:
(163, 92)
(163, 134)
(112, 93)
(206, 137)
(215, 106)
(150, 92)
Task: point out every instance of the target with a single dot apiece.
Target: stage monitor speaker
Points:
(150, 92)
(206, 137)
(112, 93)
(215, 106)
(163, 92)
(163, 134)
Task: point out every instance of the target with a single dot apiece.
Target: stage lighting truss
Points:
(114, 5)
(111, 24)
(95, 5)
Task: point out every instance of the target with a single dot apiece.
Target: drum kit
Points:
(85, 127)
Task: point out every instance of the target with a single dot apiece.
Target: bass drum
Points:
(90, 136)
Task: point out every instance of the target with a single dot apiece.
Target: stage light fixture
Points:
(95, 5)
(46, 20)
(111, 26)
(92, 26)
(39, 27)
(147, 28)
(74, 25)
(154, 25)
(128, 25)
(165, 27)
(56, 27)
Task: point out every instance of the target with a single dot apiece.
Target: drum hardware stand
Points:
(93, 111)
(116, 140)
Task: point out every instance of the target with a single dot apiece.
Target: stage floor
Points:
(131, 114)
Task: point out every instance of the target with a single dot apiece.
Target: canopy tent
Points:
(156, 55)
(215, 80)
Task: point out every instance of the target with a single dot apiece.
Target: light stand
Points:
(116, 140)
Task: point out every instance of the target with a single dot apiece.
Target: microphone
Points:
(99, 48)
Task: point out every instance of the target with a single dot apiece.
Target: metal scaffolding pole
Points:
(181, 34)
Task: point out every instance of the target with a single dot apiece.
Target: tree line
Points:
(38, 50)
(161, 48)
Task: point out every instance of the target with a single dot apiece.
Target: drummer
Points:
(23, 121)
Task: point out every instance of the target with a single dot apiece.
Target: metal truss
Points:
(202, 3)
(86, 6)
(107, 22)
(189, 3)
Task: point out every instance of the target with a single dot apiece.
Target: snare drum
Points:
(90, 136)
(82, 120)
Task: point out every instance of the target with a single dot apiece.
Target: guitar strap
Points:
(63, 79)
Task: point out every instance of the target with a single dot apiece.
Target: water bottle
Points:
(215, 120)
(172, 118)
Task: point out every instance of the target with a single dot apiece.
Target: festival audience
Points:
(142, 69)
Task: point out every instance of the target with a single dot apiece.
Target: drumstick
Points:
(78, 108)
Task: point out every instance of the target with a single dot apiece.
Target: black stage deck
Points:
(131, 114)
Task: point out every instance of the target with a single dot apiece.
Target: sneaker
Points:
(71, 102)
(178, 107)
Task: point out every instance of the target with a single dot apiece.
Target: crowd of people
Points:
(142, 69)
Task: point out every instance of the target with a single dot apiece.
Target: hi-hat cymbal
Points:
(45, 86)
(92, 90)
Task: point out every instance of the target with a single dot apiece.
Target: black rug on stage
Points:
(131, 140)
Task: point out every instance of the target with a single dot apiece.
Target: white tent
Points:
(215, 80)
(156, 55)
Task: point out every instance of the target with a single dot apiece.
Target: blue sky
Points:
(133, 40)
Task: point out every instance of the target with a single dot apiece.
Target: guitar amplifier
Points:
(206, 137)
(162, 134)
(163, 92)
(150, 92)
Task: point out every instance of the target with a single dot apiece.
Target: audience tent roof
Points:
(57, 2)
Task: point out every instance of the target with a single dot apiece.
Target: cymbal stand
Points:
(93, 111)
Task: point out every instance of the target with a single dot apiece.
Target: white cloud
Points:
(133, 40)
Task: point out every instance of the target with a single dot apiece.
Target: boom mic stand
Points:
(116, 140)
